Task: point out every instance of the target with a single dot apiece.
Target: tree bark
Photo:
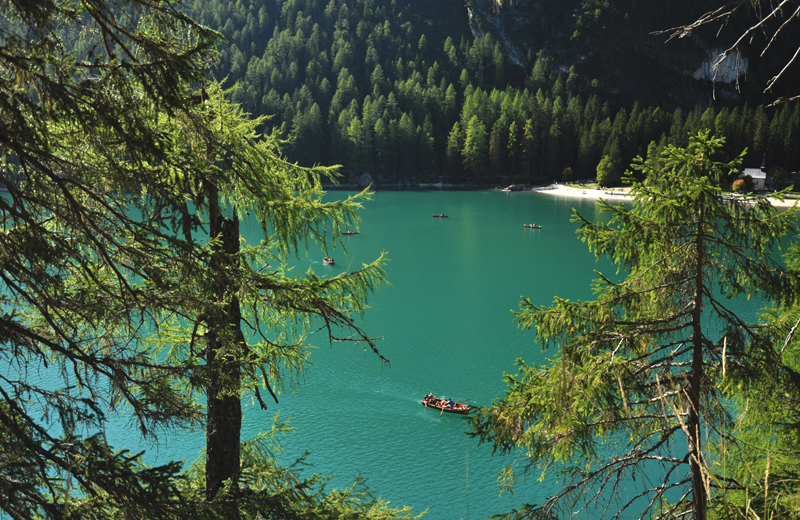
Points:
(699, 499)
(224, 410)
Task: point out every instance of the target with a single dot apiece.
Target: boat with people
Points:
(348, 232)
(445, 405)
(440, 215)
(329, 261)
(533, 226)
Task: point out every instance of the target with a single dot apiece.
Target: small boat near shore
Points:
(533, 226)
(328, 260)
(440, 215)
(445, 405)
(348, 232)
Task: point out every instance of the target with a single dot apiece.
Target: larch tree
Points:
(476, 145)
(630, 412)
(246, 318)
(127, 289)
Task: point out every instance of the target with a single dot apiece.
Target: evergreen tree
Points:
(762, 456)
(496, 148)
(610, 168)
(125, 276)
(513, 145)
(406, 144)
(476, 145)
(626, 401)
(455, 143)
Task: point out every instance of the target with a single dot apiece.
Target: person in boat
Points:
(450, 403)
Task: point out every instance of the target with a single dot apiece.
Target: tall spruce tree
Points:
(627, 412)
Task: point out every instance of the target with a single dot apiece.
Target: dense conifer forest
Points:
(150, 228)
(406, 92)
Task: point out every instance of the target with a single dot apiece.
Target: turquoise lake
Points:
(446, 325)
(447, 328)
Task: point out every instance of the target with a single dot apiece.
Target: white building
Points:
(759, 176)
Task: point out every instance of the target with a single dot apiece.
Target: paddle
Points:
(445, 403)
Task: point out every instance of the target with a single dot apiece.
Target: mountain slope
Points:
(422, 91)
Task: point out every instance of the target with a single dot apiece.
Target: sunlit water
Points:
(447, 328)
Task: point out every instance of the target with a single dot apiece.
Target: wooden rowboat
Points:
(349, 232)
(533, 226)
(432, 401)
(440, 215)
(329, 261)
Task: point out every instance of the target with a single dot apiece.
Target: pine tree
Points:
(455, 142)
(626, 402)
(513, 145)
(496, 148)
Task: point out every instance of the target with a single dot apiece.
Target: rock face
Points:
(623, 45)
(365, 180)
(493, 17)
(728, 70)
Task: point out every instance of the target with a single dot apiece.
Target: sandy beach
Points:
(612, 194)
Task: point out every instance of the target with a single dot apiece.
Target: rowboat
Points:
(431, 401)
(534, 226)
(349, 232)
(329, 261)
(440, 215)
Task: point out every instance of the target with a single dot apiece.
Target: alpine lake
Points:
(445, 322)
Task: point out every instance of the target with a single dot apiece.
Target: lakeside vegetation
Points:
(659, 379)
(124, 270)
(403, 91)
(125, 277)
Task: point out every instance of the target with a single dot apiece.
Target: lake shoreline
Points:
(558, 190)
(622, 194)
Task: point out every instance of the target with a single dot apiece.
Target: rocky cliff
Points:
(624, 45)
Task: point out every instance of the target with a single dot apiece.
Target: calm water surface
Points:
(447, 328)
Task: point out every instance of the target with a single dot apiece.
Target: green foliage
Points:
(609, 172)
(749, 185)
(121, 280)
(268, 489)
(475, 148)
(639, 378)
(762, 455)
(288, 56)
(780, 177)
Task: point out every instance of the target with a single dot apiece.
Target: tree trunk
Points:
(699, 498)
(224, 409)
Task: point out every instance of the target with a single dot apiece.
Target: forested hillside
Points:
(427, 91)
